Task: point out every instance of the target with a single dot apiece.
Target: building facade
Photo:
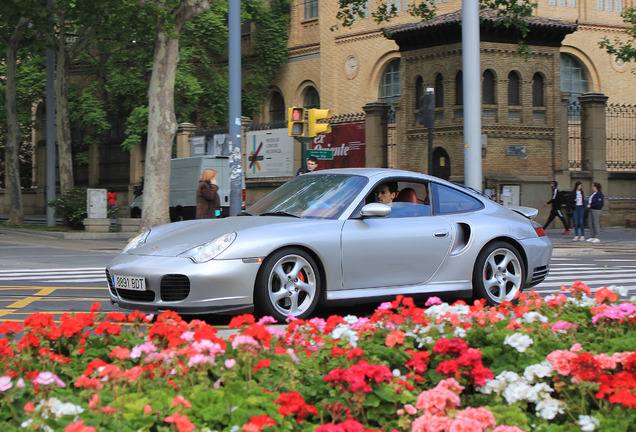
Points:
(524, 99)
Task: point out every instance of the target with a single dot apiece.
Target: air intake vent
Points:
(175, 287)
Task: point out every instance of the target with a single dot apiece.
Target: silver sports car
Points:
(335, 236)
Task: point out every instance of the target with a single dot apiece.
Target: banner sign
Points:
(269, 153)
(347, 143)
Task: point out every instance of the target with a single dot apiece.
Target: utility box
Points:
(96, 203)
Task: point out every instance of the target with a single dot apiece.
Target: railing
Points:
(621, 137)
(574, 136)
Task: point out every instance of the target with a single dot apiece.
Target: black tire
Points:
(499, 273)
(288, 283)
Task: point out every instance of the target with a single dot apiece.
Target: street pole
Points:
(50, 125)
(235, 148)
(472, 102)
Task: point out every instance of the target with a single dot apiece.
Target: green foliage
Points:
(71, 207)
(624, 50)
(136, 127)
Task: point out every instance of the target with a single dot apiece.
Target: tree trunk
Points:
(62, 124)
(14, 136)
(162, 122)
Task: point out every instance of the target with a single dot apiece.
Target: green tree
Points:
(16, 29)
(625, 48)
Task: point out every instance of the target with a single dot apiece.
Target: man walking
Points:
(556, 208)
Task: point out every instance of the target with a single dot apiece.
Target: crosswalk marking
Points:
(83, 274)
(593, 275)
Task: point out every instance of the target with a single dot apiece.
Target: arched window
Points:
(573, 77)
(537, 90)
(312, 98)
(277, 108)
(419, 91)
(488, 88)
(513, 89)
(389, 90)
(459, 88)
(439, 90)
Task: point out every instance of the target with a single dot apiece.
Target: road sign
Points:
(325, 154)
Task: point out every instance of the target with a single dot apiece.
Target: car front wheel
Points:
(499, 273)
(287, 285)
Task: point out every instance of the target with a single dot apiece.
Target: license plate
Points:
(129, 283)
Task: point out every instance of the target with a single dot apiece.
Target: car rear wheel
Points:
(499, 273)
(287, 285)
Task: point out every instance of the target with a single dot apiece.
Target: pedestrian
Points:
(556, 203)
(595, 204)
(208, 201)
(312, 165)
(577, 198)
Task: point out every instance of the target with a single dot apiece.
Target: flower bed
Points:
(561, 363)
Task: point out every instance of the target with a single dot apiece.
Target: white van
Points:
(184, 179)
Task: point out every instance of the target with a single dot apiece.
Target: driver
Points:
(386, 193)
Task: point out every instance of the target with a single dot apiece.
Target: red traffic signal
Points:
(296, 122)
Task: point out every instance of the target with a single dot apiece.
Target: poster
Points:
(269, 153)
(347, 143)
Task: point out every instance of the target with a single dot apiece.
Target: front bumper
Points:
(178, 284)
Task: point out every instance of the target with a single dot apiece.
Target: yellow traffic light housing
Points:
(313, 127)
(296, 122)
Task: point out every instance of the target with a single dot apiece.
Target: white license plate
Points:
(129, 283)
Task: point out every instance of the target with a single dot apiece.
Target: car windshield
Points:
(322, 196)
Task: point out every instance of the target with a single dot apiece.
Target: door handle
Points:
(441, 234)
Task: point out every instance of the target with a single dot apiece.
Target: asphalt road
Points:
(40, 273)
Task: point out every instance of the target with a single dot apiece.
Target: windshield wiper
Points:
(279, 213)
(244, 213)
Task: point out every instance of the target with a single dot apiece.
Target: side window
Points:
(406, 199)
(448, 200)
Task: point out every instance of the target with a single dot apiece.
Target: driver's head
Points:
(386, 192)
(312, 163)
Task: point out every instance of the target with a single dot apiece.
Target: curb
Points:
(75, 235)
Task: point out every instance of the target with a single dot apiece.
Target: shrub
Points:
(71, 207)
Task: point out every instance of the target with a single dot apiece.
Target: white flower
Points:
(530, 317)
(345, 333)
(519, 391)
(519, 341)
(460, 332)
(620, 290)
(540, 370)
(588, 423)
(549, 408)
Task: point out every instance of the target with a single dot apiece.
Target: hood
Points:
(175, 238)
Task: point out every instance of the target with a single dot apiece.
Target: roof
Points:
(446, 28)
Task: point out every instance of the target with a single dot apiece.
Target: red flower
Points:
(394, 338)
(264, 363)
(604, 294)
(78, 426)
(107, 327)
(257, 423)
(181, 421)
(293, 403)
(238, 321)
(10, 326)
(624, 397)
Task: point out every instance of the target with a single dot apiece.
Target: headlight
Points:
(137, 241)
(210, 250)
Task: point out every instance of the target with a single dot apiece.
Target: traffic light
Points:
(313, 127)
(296, 122)
(426, 105)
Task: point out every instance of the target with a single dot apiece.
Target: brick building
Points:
(524, 100)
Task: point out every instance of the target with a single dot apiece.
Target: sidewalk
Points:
(609, 236)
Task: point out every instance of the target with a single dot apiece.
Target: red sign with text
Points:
(347, 141)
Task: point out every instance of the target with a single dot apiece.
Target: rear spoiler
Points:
(527, 212)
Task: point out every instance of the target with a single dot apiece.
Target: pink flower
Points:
(182, 422)
(245, 341)
(78, 426)
(505, 428)
(229, 363)
(147, 409)
(410, 409)
(46, 378)
(433, 301)
(561, 361)
(5, 383)
(180, 400)
(437, 400)
(466, 424)
(431, 423)
(481, 415)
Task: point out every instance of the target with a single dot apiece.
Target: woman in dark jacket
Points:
(595, 204)
(208, 200)
(577, 202)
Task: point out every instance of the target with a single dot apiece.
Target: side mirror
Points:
(375, 210)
